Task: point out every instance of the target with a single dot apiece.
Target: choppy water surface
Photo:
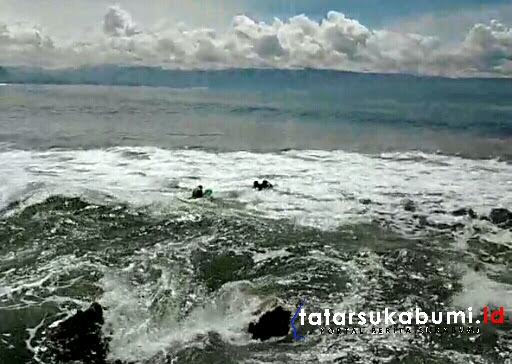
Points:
(94, 187)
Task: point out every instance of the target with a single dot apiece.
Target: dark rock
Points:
(501, 217)
(465, 212)
(365, 201)
(79, 338)
(275, 323)
(409, 206)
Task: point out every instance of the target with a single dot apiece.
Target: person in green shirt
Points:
(198, 192)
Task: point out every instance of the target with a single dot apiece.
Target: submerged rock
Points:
(501, 217)
(79, 338)
(275, 323)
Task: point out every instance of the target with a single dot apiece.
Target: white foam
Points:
(259, 257)
(314, 188)
(480, 291)
(138, 336)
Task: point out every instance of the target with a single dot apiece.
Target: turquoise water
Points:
(366, 112)
(95, 176)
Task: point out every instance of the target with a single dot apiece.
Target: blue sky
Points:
(448, 19)
(372, 12)
(420, 36)
(445, 18)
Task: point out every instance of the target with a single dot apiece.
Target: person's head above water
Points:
(197, 192)
(260, 186)
(266, 184)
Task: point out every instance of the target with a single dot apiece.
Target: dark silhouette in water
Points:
(501, 217)
(197, 192)
(80, 338)
(275, 323)
(263, 186)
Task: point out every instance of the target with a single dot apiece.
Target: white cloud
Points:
(63, 17)
(336, 42)
(452, 25)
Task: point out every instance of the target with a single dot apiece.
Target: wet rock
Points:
(409, 206)
(274, 323)
(79, 338)
(465, 212)
(501, 217)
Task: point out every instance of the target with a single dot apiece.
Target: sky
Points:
(62, 14)
(217, 13)
(418, 36)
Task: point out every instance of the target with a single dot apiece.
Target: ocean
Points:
(97, 165)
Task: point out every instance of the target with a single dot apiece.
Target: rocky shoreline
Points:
(81, 338)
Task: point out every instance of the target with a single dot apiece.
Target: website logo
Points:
(414, 320)
(295, 336)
